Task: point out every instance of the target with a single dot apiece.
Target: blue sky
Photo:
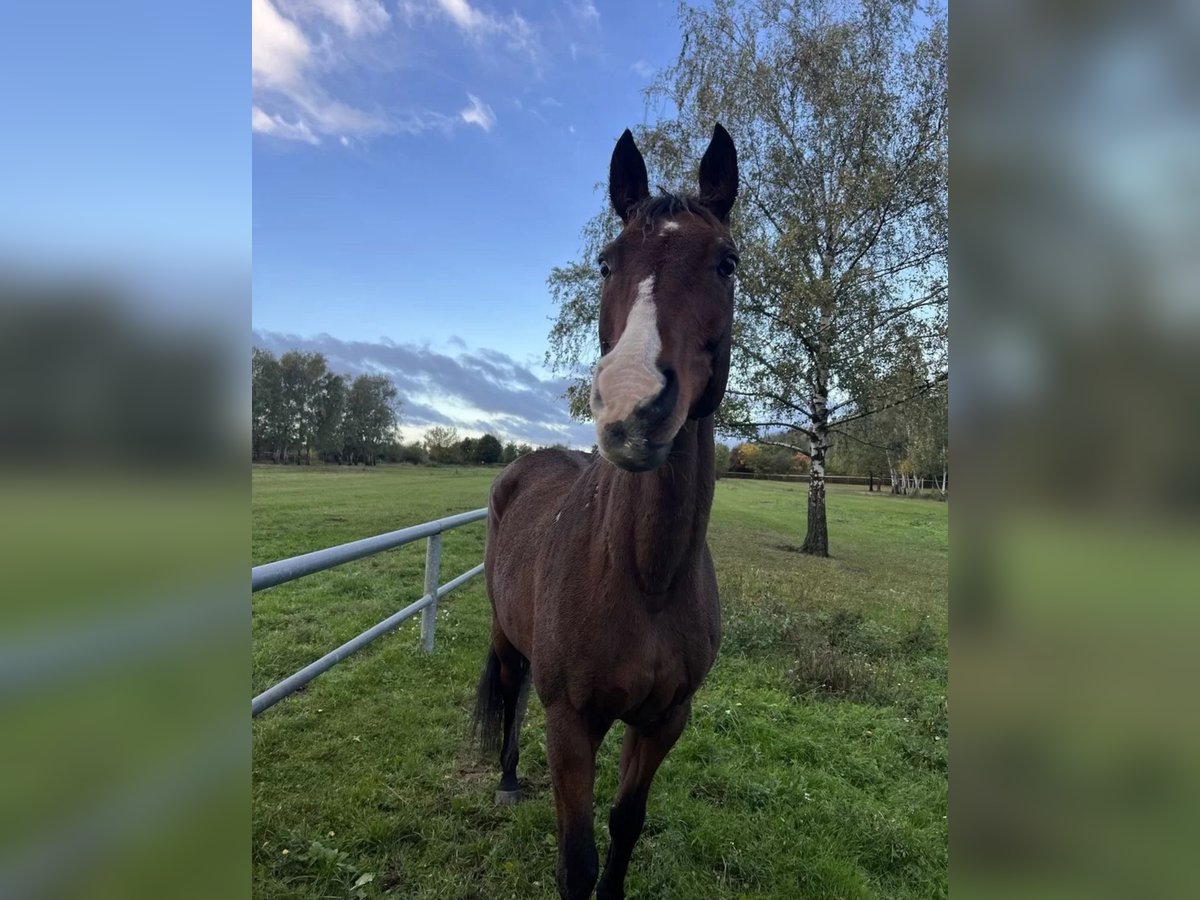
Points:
(125, 137)
(419, 167)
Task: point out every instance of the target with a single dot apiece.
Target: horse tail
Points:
(489, 705)
(488, 718)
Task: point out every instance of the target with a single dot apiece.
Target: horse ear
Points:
(627, 181)
(719, 174)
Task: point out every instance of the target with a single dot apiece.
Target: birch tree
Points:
(839, 114)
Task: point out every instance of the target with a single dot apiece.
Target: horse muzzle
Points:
(640, 441)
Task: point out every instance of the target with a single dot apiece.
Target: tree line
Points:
(300, 409)
(442, 445)
(302, 412)
(904, 447)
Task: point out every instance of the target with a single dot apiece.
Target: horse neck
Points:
(656, 521)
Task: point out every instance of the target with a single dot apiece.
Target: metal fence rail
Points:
(284, 570)
(831, 479)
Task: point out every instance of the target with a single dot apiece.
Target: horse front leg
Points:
(641, 754)
(571, 744)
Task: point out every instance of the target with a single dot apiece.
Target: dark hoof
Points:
(508, 798)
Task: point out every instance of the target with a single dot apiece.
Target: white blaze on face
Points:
(629, 374)
(669, 226)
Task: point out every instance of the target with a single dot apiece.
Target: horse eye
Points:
(728, 266)
(605, 346)
(605, 271)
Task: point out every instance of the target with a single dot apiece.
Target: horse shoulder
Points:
(532, 472)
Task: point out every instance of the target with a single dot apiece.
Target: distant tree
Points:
(773, 460)
(412, 452)
(299, 406)
(389, 452)
(464, 451)
(372, 409)
(523, 449)
(488, 450)
(509, 454)
(721, 459)
(440, 442)
(267, 428)
(303, 379)
(915, 431)
(328, 429)
(289, 400)
(745, 458)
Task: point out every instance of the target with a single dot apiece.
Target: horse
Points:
(597, 567)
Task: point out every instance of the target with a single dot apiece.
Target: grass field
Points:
(814, 765)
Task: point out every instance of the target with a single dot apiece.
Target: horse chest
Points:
(608, 646)
(640, 670)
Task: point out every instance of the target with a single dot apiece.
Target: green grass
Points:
(814, 764)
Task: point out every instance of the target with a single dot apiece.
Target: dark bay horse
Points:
(597, 567)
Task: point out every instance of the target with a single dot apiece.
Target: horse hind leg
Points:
(499, 708)
(514, 688)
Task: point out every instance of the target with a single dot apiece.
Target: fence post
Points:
(433, 565)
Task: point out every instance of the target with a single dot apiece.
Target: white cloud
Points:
(465, 16)
(355, 17)
(586, 10)
(642, 68)
(290, 102)
(264, 123)
(279, 49)
(299, 46)
(517, 33)
(478, 113)
(421, 121)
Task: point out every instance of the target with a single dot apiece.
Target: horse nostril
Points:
(654, 412)
(615, 434)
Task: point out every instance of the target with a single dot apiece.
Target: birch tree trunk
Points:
(893, 475)
(816, 540)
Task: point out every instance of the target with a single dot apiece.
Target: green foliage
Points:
(464, 450)
(780, 454)
(370, 416)
(488, 450)
(266, 398)
(441, 443)
(721, 459)
(415, 453)
(330, 413)
(298, 405)
(903, 441)
(789, 781)
(513, 452)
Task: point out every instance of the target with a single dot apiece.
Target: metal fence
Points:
(831, 479)
(285, 570)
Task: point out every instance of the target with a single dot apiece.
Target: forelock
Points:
(650, 212)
